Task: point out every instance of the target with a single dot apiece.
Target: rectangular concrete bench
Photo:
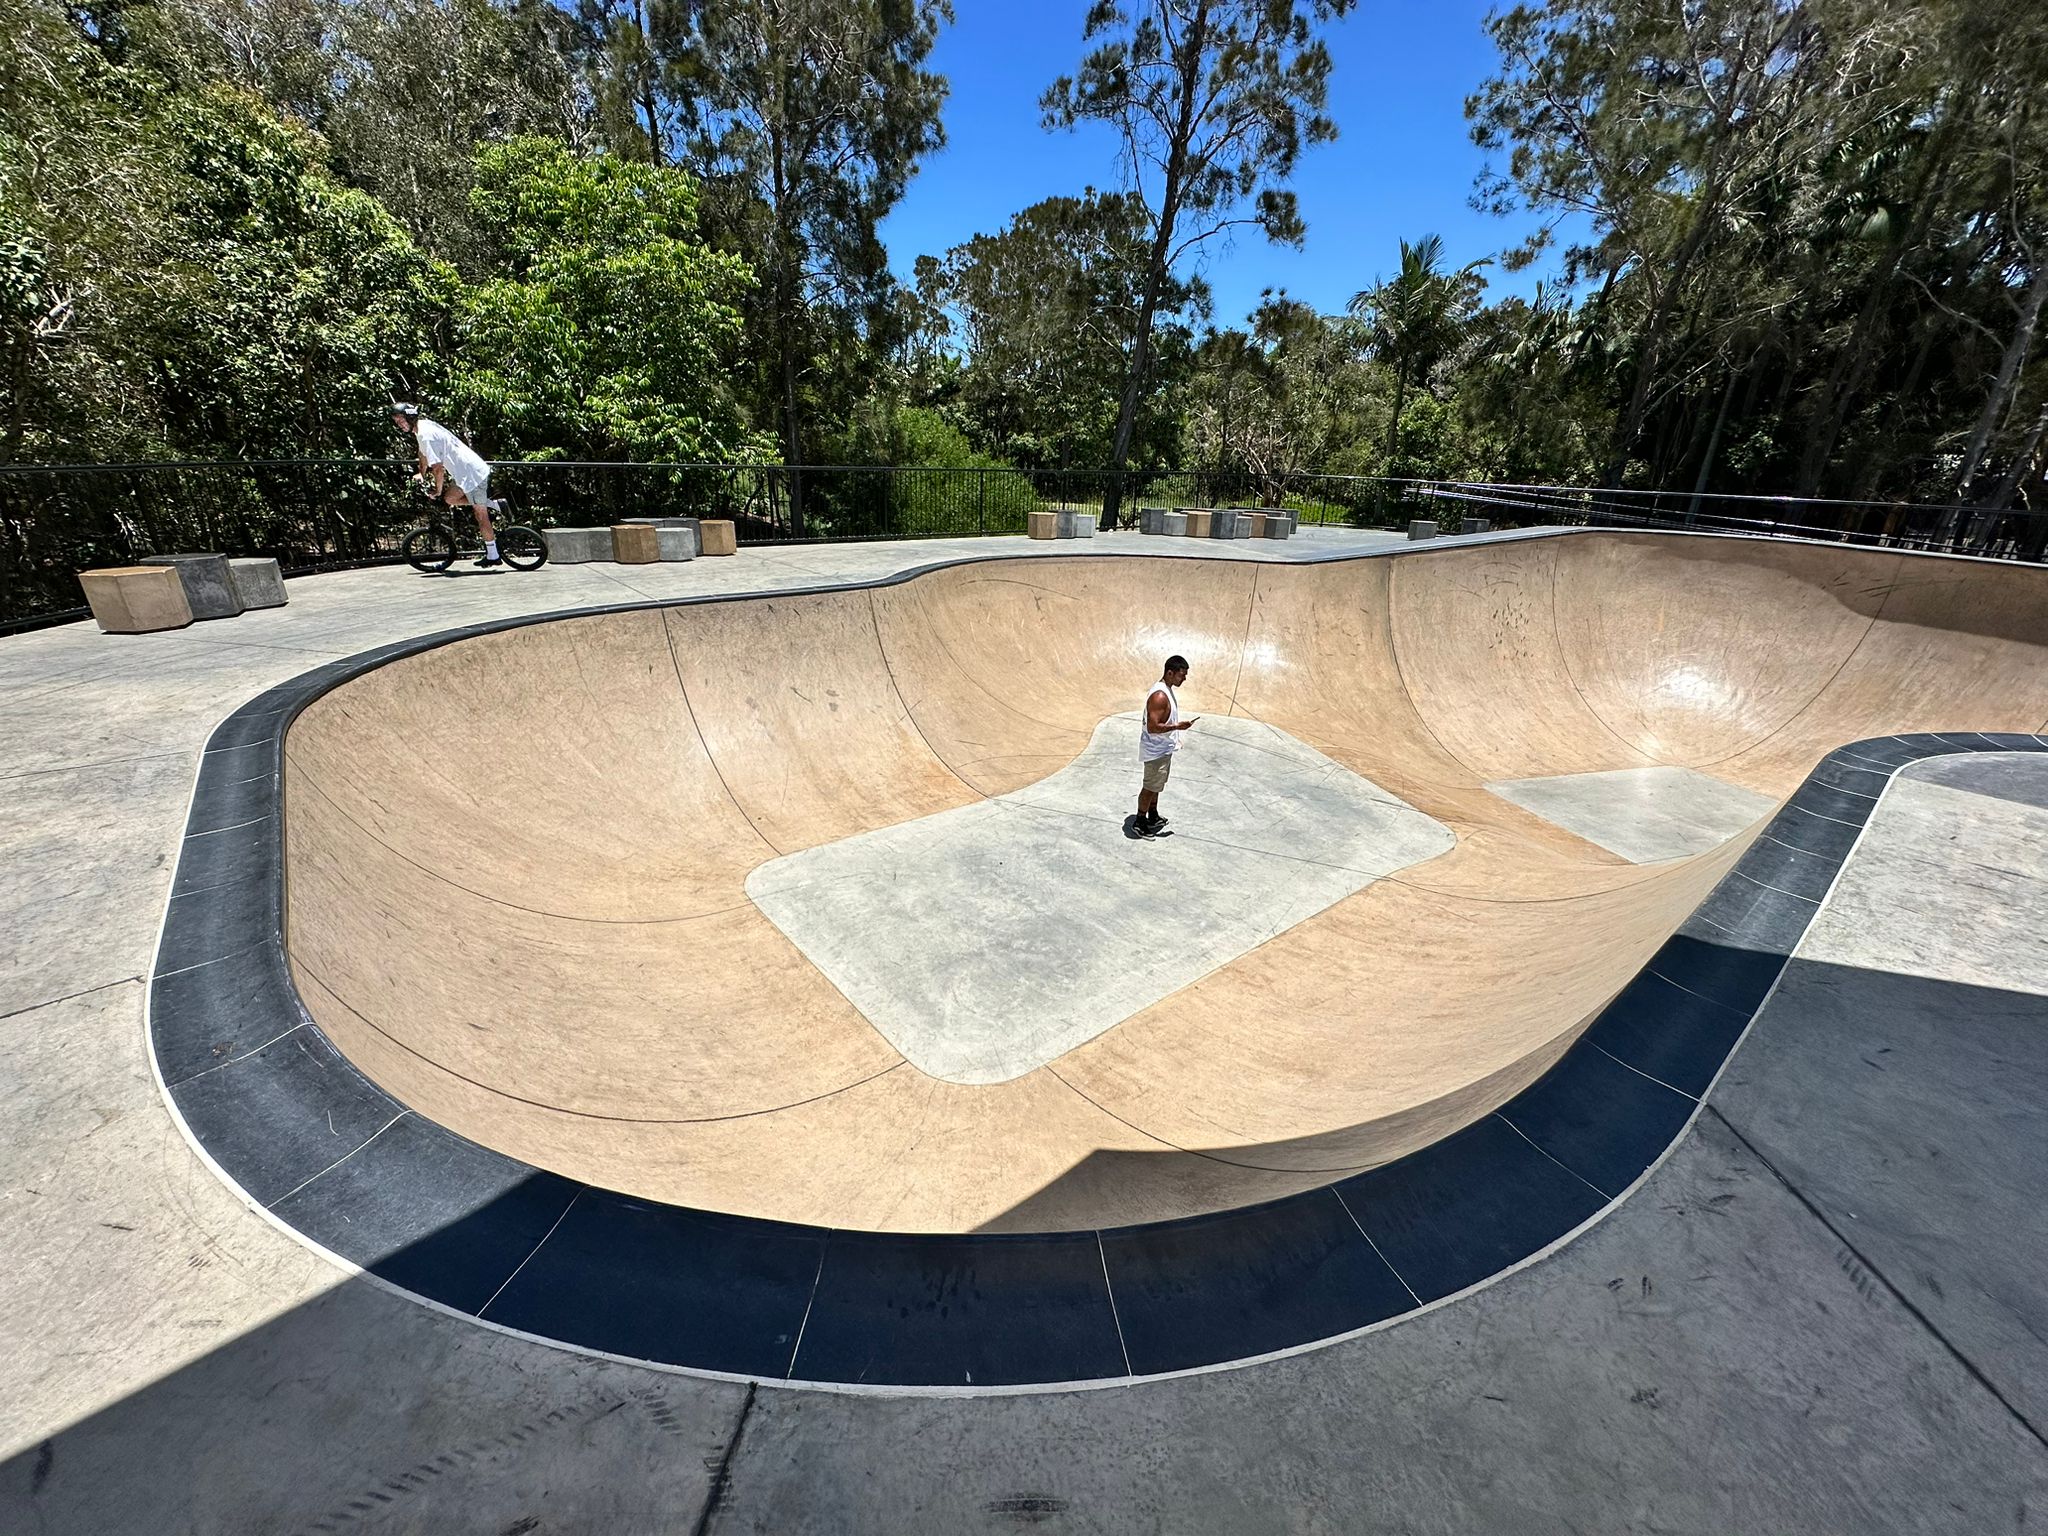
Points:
(717, 536)
(1422, 528)
(1151, 519)
(1476, 525)
(635, 544)
(1223, 523)
(209, 584)
(578, 546)
(1279, 525)
(257, 583)
(1076, 525)
(1174, 525)
(1042, 525)
(1198, 523)
(136, 599)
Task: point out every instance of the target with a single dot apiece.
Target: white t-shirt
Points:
(464, 465)
(1153, 744)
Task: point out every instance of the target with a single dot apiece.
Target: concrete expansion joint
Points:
(1876, 1271)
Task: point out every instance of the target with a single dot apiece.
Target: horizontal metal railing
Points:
(324, 514)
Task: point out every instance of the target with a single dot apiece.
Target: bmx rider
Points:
(456, 471)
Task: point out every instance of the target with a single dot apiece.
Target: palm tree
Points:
(1415, 318)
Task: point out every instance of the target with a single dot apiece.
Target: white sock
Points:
(491, 549)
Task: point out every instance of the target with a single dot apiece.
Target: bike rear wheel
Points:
(429, 549)
(522, 547)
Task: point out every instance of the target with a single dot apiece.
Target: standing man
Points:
(1157, 739)
(459, 475)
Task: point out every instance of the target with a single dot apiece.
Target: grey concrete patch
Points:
(1643, 814)
(2021, 776)
(1948, 884)
(985, 941)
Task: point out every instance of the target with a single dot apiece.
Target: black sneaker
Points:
(485, 562)
(1158, 821)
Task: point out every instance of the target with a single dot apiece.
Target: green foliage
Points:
(613, 323)
(1045, 312)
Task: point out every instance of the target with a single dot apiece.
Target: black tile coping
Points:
(291, 1122)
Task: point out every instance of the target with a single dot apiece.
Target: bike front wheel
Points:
(429, 549)
(522, 547)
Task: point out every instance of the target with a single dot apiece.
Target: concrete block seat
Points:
(1042, 525)
(1151, 519)
(635, 544)
(1223, 523)
(1422, 528)
(1279, 525)
(1476, 525)
(136, 599)
(1076, 525)
(717, 536)
(578, 546)
(209, 584)
(257, 583)
(1198, 523)
(677, 542)
(1174, 525)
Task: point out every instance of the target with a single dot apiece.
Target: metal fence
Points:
(328, 514)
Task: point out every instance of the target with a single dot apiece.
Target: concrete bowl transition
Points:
(819, 908)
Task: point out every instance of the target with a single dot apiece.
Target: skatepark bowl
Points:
(769, 985)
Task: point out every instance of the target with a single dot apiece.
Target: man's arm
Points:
(1156, 711)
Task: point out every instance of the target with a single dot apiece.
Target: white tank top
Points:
(1153, 744)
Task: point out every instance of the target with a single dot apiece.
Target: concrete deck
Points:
(1787, 1327)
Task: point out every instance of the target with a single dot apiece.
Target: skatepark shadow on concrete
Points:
(1901, 1123)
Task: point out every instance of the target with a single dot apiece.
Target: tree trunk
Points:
(1699, 485)
(1394, 426)
(2009, 367)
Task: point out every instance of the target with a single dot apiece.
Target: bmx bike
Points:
(434, 546)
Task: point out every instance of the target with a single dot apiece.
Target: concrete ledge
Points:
(578, 546)
(209, 585)
(257, 583)
(635, 544)
(716, 536)
(136, 599)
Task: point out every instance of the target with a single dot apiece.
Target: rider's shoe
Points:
(485, 562)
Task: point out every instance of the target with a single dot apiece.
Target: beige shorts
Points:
(1156, 770)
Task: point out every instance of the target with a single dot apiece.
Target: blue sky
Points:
(1402, 166)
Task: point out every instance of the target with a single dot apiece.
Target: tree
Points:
(1046, 314)
(614, 324)
(807, 119)
(1415, 318)
(1214, 101)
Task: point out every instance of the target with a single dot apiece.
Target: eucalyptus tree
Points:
(1213, 102)
(807, 119)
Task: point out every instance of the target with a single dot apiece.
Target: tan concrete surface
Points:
(517, 863)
